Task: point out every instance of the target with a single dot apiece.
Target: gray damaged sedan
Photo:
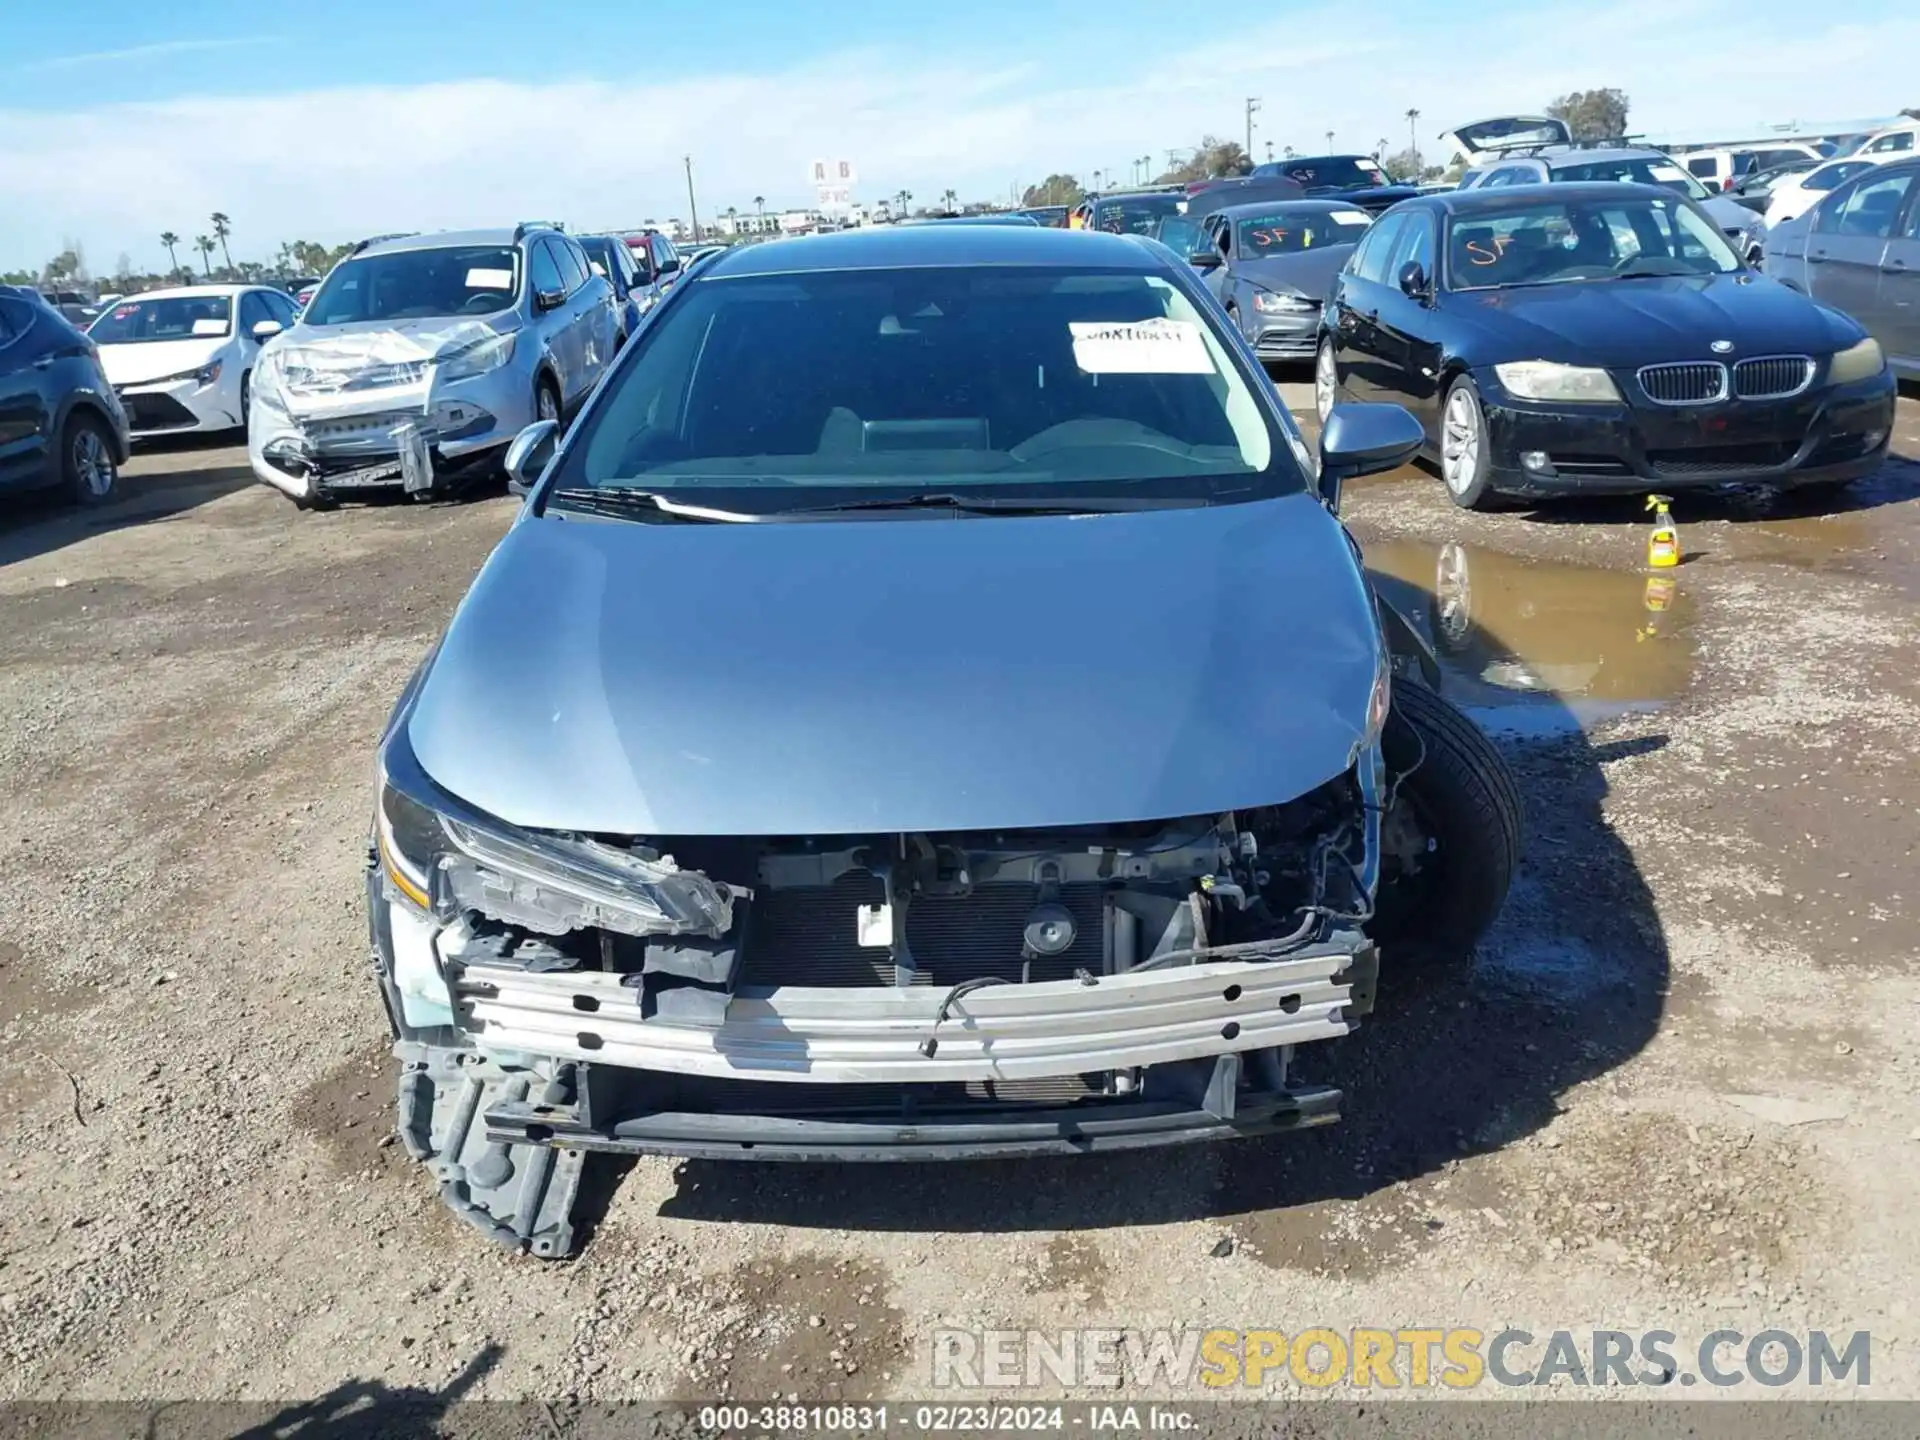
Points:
(927, 707)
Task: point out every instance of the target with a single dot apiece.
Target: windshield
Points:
(1637, 170)
(600, 256)
(418, 285)
(174, 317)
(1336, 172)
(787, 392)
(1828, 176)
(1288, 232)
(1133, 214)
(1550, 241)
(1179, 234)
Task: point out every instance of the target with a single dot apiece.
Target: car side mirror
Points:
(1206, 259)
(529, 453)
(265, 330)
(672, 267)
(1413, 280)
(1364, 440)
(549, 299)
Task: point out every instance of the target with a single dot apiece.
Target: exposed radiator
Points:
(808, 936)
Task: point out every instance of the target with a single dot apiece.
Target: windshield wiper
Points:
(1654, 270)
(1003, 504)
(628, 504)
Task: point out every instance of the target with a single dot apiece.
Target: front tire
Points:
(1452, 834)
(88, 472)
(1326, 380)
(1466, 457)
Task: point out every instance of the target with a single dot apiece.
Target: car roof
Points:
(1256, 207)
(194, 291)
(502, 236)
(1478, 201)
(884, 247)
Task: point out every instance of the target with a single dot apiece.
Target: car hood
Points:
(1640, 322)
(900, 675)
(318, 361)
(1309, 272)
(1729, 214)
(136, 363)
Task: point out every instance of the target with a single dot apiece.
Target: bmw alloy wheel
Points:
(1326, 382)
(1460, 441)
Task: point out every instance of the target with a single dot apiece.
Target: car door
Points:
(589, 313)
(1851, 234)
(25, 411)
(1218, 234)
(1358, 346)
(1895, 321)
(1409, 349)
(547, 287)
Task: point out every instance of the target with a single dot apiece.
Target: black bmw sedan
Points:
(1570, 338)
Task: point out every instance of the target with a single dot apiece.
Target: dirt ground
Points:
(1677, 1088)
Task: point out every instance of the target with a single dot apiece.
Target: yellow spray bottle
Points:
(1663, 546)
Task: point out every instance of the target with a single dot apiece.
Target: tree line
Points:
(295, 258)
(1590, 115)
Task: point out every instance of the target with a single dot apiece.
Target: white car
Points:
(1718, 169)
(181, 361)
(1797, 194)
(1897, 141)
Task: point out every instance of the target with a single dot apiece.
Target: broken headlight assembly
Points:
(477, 358)
(446, 861)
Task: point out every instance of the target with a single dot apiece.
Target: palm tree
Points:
(204, 244)
(222, 228)
(949, 198)
(760, 204)
(1413, 141)
(1329, 140)
(169, 239)
(905, 197)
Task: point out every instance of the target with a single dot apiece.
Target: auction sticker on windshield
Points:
(1351, 217)
(1140, 347)
(495, 279)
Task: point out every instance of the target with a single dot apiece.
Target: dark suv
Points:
(60, 422)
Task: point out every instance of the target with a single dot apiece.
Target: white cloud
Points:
(333, 163)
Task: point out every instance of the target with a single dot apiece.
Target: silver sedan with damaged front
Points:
(927, 707)
(422, 356)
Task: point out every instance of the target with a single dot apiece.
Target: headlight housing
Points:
(477, 358)
(205, 375)
(1546, 380)
(445, 864)
(1275, 302)
(1859, 361)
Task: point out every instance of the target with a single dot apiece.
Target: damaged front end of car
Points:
(869, 997)
(423, 410)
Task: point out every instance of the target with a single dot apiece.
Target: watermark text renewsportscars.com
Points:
(1438, 1359)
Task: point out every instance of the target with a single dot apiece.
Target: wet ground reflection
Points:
(1533, 648)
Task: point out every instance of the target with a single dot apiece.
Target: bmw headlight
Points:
(1861, 361)
(1545, 380)
(477, 358)
(550, 884)
(1275, 302)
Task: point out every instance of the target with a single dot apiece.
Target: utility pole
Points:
(1253, 108)
(1413, 143)
(693, 210)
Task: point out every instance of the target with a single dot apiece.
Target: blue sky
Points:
(118, 120)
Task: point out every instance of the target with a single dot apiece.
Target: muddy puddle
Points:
(1537, 649)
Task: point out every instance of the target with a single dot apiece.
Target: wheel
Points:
(87, 469)
(1466, 460)
(1326, 380)
(546, 401)
(1451, 836)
